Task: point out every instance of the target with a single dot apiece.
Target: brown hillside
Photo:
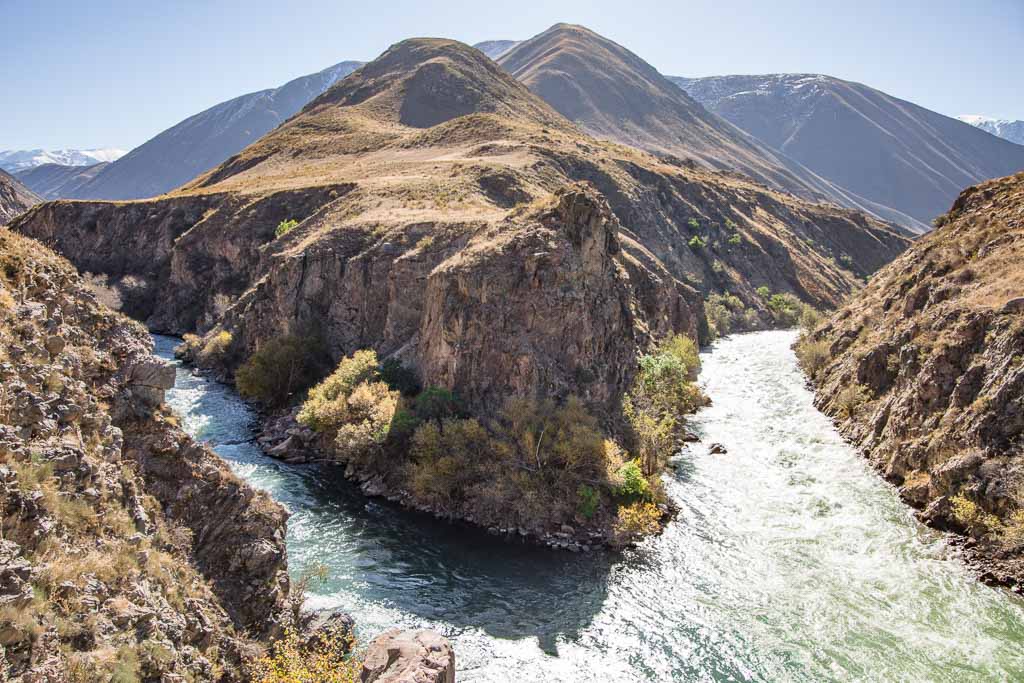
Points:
(925, 371)
(614, 94)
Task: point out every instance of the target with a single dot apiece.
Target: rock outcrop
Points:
(924, 371)
(128, 550)
(15, 198)
(398, 656)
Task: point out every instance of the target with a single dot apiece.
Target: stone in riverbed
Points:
(717, 449)
(398, 656)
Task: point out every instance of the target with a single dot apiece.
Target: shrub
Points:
(975, 520)
(809, 317)
(280, 368)
(730, 224)
(763, 292)
(216, 346)
(694, 224)
(327, 660)
(735, 240)
(850, 399)
(785, 309)
(637, 519)
(632, 484)
(325, 408)
(725, 314)
(588, 500)
(812, 355)
(696, 243)
(285, 227)
(368, 413)
(437, 404)
(661, 393)
(399, 377)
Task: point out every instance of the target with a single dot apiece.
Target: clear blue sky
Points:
(115, 73)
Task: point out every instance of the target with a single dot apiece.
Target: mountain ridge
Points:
(204, 140)
(888, 150)
(614, 94)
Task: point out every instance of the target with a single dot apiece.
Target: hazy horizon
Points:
(114, 74)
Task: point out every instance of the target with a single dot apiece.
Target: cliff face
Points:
(925, 371)
(14, 197)
(128, 549)
(428, 227)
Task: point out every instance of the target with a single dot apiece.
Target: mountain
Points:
(614, 94)
(1007, 130)
(13, 161)
(496, 48)
(53, 181)
(432, 209)
(882, 148)
(15, 198)
(204, 140)
(922, 370)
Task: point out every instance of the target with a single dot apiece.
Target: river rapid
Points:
(791, 560)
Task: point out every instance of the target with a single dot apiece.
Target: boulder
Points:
(398, 656)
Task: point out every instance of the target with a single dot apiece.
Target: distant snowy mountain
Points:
(496, 48)
(198, 143)
(1007, 130)
(14, 160)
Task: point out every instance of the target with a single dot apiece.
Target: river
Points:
(791, 560)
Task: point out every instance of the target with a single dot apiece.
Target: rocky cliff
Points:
(426, 226)
(127, 549)
(15, 198)
(924, 370)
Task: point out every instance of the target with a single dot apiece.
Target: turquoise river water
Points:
(791, 560)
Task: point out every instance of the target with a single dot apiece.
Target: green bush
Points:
(696, 243)
(285, 227)
(763, 292)
(661, 394)
(735, 240)
(785, 309)
(730, 224)
(725, 314)
(280, 368)
(632, 484)
(399, 377)
(694, 224)
(437, 404)
(326, 407)
(589, 501)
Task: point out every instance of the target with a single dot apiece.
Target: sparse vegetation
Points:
(661, 394)
(328, 659)
(812, 355)
(694, 224)
(850, 399)
(285, 227)
(735, 240)
(696, 243)
(280, 368)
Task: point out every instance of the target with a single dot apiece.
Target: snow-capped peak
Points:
(14, 160)
(1004, 128)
